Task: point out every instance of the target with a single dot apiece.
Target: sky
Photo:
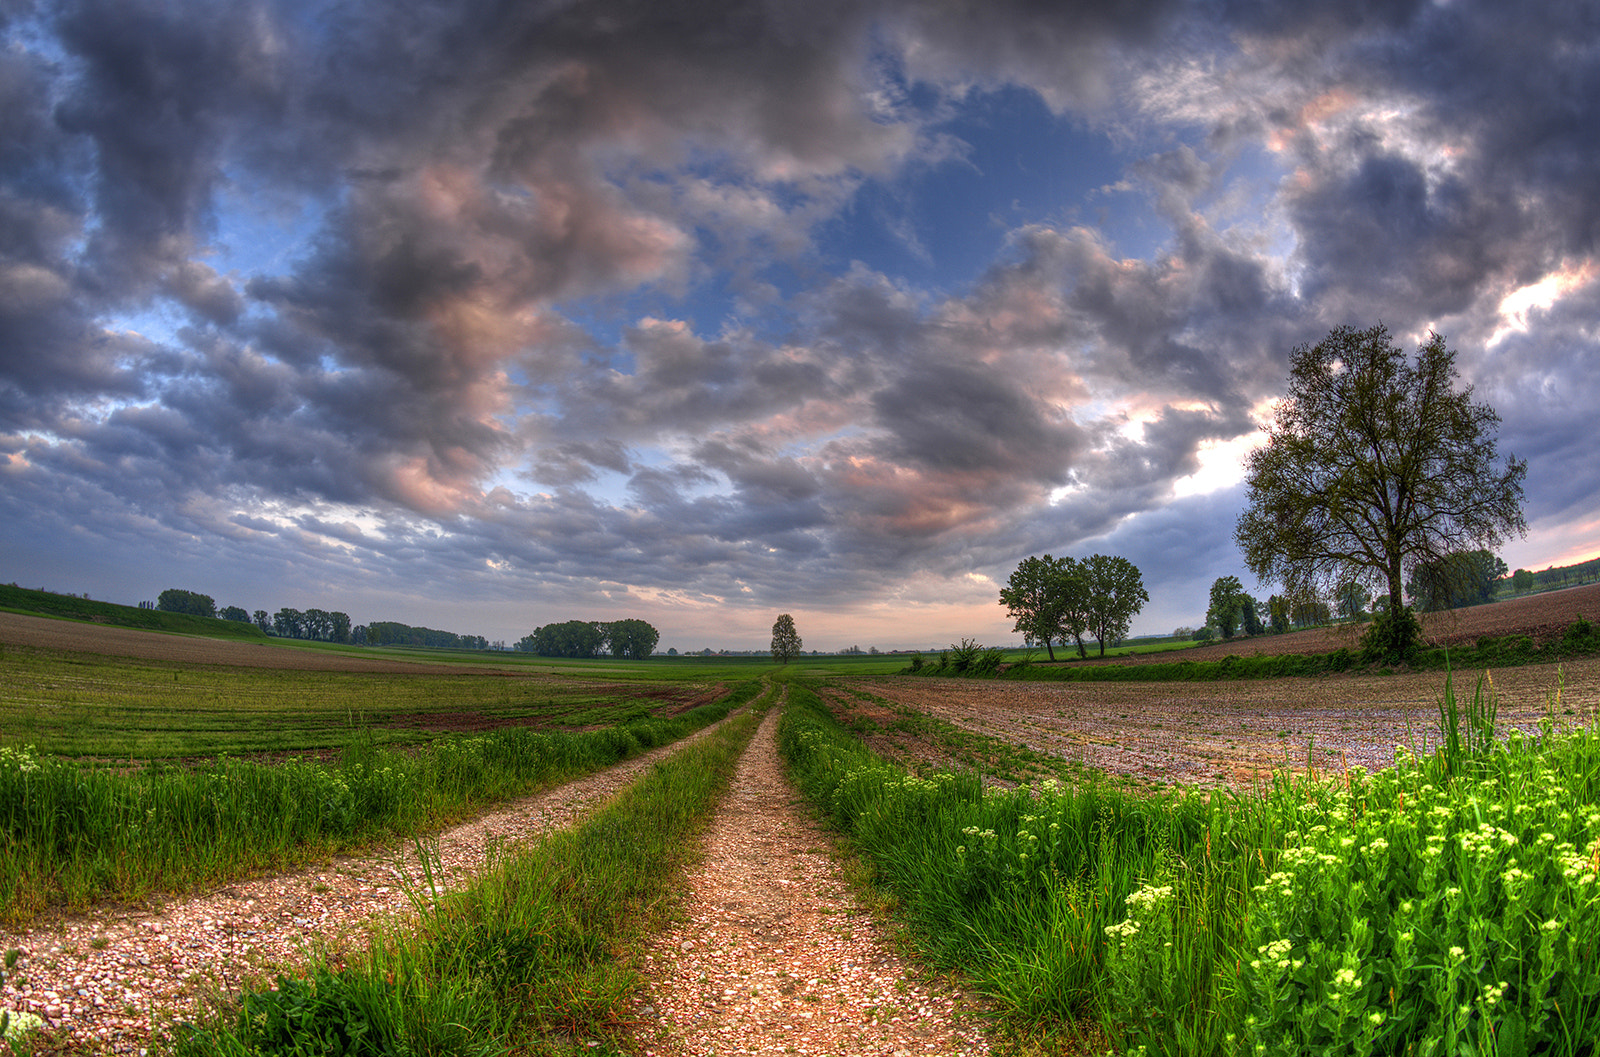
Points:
(486, 315)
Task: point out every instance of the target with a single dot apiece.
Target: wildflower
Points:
(1346, 979)
(1492, 993)
(1457, 953)
(22, 1023)
(1123, 930)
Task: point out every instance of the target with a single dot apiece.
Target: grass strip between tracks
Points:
(70, 836)
(529, 960)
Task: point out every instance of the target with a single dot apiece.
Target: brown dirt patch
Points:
(18, 629)
(1234, 732)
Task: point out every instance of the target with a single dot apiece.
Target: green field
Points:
(117, 708)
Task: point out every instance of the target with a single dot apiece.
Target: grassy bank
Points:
(532, 959)
(1446, 905)
(73, 835)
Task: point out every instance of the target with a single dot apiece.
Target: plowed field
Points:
(1236, 732)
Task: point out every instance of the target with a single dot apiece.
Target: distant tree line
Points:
(392, 633)
(627, 639)
(1459, 578)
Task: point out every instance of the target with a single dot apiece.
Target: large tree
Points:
(1373, 465)
(1115, 592)
(632, 639)
(785, 639)
(1048, 600)
(1226, 611)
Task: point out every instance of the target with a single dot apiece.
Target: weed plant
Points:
(529, 960)
(1445, 905)
(73, 835)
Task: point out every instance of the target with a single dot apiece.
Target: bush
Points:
(1392, 638)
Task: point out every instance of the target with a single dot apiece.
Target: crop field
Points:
(1210, 733)
(175, 697)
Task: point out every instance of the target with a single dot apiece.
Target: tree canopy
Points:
(177, 600)
(1052, 598)
(1460, 578)
(785, 639)
(1226, 611)
(629, 639)
(1374, 464)
(1115, 592)
(1046, 599)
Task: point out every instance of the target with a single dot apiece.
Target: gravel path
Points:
(773, 956)
(105, 982)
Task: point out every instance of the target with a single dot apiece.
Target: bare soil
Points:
(17, 629)
(1542, 617)
(1233, 732)
(1237, 732)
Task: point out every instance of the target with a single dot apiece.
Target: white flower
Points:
(22, 1023)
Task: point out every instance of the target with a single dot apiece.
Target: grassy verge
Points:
(529, 960)
(71, 835)
(1446, 905)
(964, 748)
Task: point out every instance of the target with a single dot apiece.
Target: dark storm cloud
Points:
(489, 236)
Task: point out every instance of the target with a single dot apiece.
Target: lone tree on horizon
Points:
(785, 639)
(1375, 465)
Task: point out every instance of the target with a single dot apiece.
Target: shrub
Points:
(1392, 637)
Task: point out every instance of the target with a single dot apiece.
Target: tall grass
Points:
(71, 835)
(1445, 905)
(530, 959)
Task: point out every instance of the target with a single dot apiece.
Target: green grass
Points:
(1447, 905)
(532, 959)
(117, 708)
(995, 757)
(73, 835)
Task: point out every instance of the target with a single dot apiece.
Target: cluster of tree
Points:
(1375, 466)
(177, 600)
(316, 625)
(393, 633)
(1234, 611)
(1460, 578)
(627, 639)
(1053, 599)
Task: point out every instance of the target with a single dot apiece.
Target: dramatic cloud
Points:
(483, 316)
